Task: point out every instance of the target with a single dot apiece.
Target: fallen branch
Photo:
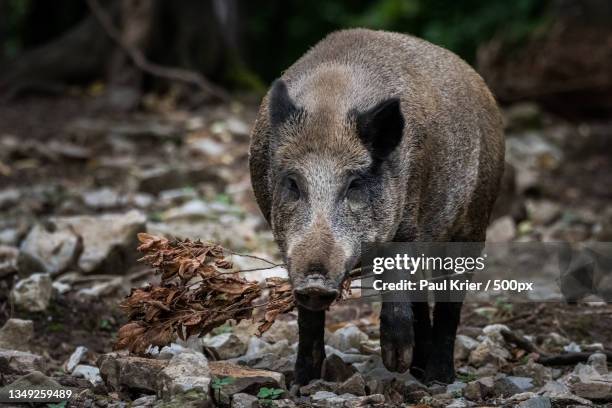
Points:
(570, 358)
(140, 61)
(199, 291)
(546, 359)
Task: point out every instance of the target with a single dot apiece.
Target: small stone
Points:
(317, 385)
(32, 381)
(456, 389)
(543, 212)
(540, 373)
(226, 345)
(322, 395)
(109, 240)
(8, 260)
(77, 357)
(185, 373)
(506, 386)
(502, 229)
(49, 249)
(160, 178)
(479, 389)
(16, 334)
(20, 362)
(536, 402)
(147, 401)
(101, 199)
(242, 400)
(90, 373)
(464, 346)
(598, 361)
(458, 403)
(33, 293)
(282, 330)
(355, 385)
(346, 338)
(487, 352)
(336, 370)
(119, 371)
(244, 379)
(560, 395)
(9, 198)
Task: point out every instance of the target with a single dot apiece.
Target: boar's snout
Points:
(315, 292)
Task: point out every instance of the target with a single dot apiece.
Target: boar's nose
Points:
(315, 293)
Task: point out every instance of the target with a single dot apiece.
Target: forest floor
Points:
(78, 182)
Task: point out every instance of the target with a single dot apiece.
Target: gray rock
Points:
(560, 395)
(489, 351)
(502, 229)
(464, 346)
(522, 383)
(160, 178)
(20, 362)
(536, 402)
(598, 361)
(480, 389)
(346, 338)
(77, 357)
(16, 334)
(226, 345)
(540, 373)
(8, 260)
(9, 197)
(543, 212)
(33, 293)
(49, 249)
(144, 402)
(317, 385)
(459, 403)
(244, 379)
(32, 381)
(90, 373)
(185, 373)
(243, 400)
(456, 389)
(109, 240)
(355, 385)
(101, 199)
(121, 371)
(322, 395)
(9, 236)
(336, 370)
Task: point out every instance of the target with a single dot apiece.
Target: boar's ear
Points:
(280, 105)
(381, 128)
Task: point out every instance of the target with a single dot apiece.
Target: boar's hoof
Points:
(396, 357)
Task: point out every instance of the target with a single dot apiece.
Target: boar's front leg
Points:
(396, 335)
(441, 367)
(311, 345)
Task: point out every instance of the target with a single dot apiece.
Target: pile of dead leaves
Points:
(197, 293)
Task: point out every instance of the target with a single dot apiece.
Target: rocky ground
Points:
(77, 183)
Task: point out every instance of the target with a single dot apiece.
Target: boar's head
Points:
(334, 184)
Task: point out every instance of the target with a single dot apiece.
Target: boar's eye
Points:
(356, 194)
(291, 188)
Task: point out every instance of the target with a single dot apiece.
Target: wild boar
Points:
(374, 136)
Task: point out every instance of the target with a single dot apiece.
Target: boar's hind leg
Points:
(396, 335)
(311, 345)
(422, 339)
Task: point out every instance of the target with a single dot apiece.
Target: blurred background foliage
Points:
(275, 33)
(280, 32)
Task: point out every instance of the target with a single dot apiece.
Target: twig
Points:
(141, 62)
(570, 358)
(521, 342)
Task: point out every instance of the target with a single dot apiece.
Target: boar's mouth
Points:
(315, 292)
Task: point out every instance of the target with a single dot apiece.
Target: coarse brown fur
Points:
(438, 184)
